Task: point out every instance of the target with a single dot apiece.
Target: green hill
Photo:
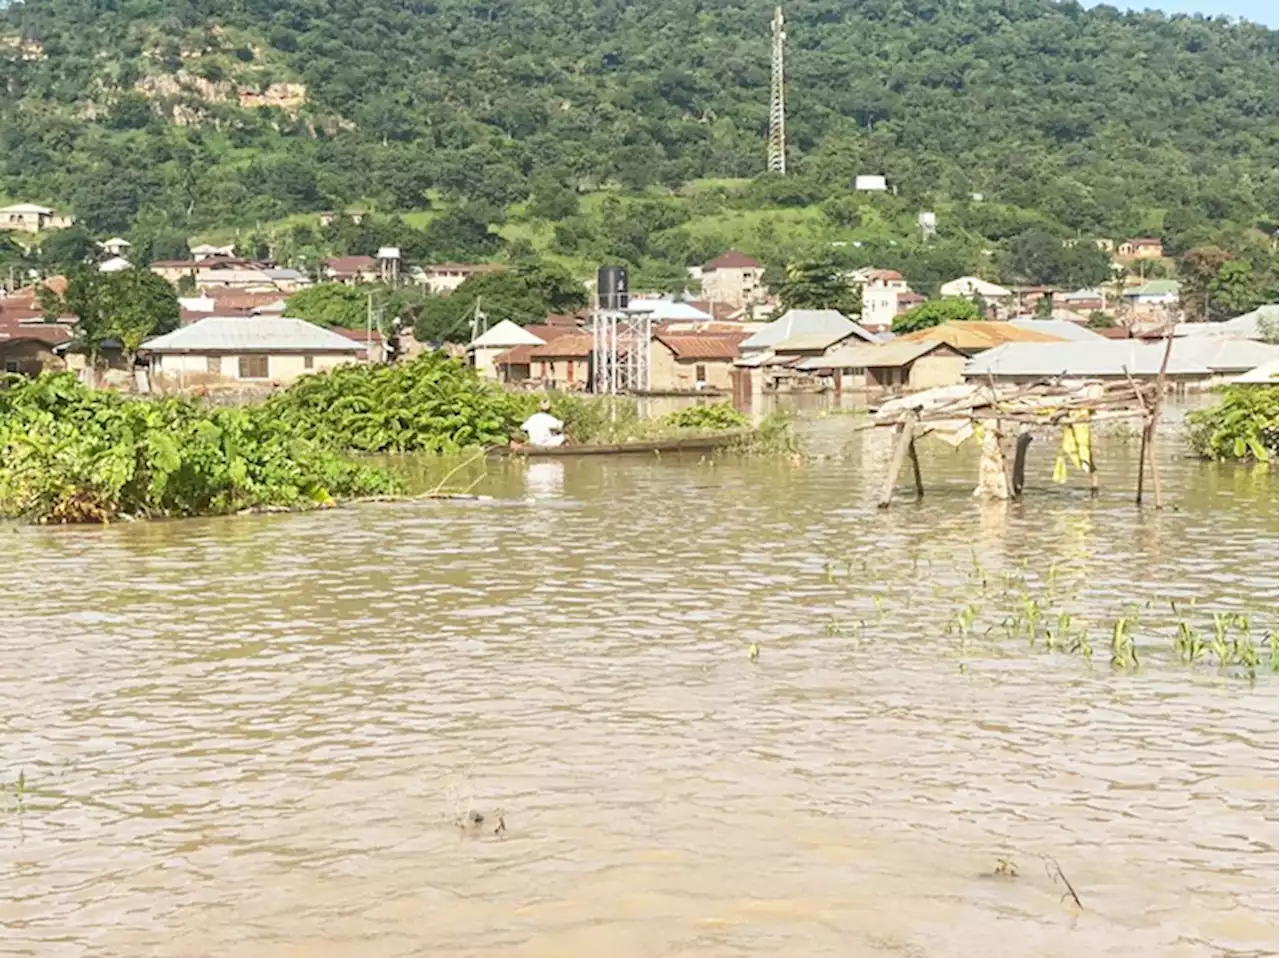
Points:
(199, 115)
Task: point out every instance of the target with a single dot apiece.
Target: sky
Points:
(1259, 11)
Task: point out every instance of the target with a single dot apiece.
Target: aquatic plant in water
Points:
(1243, 425)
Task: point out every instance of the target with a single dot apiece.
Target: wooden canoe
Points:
(684, 444)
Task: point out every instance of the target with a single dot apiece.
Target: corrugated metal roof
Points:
(251, 334)
(1245, 326)
(700, 347)
(572, 346)
(1225, 355)
(804, 322)
(665, 310)
(1061, 328)
(808, 342)
(978, 335)
(1105, 357)
(1154, 287)
(1267, 373)
(892, 354)
(731, 259)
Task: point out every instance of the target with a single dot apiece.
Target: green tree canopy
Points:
(523, 294)
(331, 304)
(935, 312)
(818, 284)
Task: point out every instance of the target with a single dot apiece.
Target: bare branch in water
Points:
(1054, 871)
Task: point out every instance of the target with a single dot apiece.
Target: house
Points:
(890, 367)
(28, 348)
(665, 310)
(1268, 374)
(564, 363)
(870, 183)
(1192, 361)
(206, 251)
(881, 292)
(1084, 301)
(515, 365)
(115, 264)
(692, 362)
(1259, 324)
(970, 286)
(977, 336)
(32, 218)
(373, 345)
(1144, 247)
(1154, 292)
(351, 270)
(226, 301)
(495, 341)
(829, 323)
(266, 349)
(116, 246)
(734, 278)
(443, 278)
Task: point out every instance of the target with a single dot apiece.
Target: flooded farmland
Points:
(678, 707)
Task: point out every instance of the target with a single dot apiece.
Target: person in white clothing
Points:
(544, 429)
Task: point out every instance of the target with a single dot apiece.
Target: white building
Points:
(880, 291)
(870, 183)
(491, 343)
(273, 349)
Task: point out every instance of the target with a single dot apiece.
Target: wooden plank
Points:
(1156, 408)
(915, 469)
(903, 433)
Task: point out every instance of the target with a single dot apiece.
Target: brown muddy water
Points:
(252, 736)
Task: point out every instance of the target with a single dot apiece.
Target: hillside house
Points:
(1144, 247)
(32, 218)
(1084, 301)
(993, 295)
(265, 349)
(443, 278)
(351, 270)
(733, 278)
(28, 348)
(881, 292)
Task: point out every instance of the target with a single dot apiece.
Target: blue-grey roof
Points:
(1247, 326)
(251, 334)
(805, 322)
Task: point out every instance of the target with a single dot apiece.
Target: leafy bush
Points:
(719, 415)
(72, 454)
(431, 404)
(1242, 425)
(935, 312)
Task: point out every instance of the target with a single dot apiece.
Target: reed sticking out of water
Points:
(1055, 872)
(1007, 601)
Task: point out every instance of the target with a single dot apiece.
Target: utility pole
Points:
(777, 100)
(368, 328)
(479, 322)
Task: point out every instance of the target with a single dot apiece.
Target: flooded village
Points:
(696, 702)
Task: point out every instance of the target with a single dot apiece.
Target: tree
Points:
(523, 294)
(1100, 320)
(1196, 270)
(1043, 308)
(137, 304)
(330, 304)
(83, 299)
(1215, 286)
(818, 284)
(64, 250)
(935, 312)
(1232, 291)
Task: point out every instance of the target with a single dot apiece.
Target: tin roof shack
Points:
(978, 336)
(260, 349)
(515, 365)
(28, 349)
(890, 367)
(692, 362)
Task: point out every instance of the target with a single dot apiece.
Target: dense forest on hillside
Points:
(164, 118)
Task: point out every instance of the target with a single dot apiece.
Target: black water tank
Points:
(611, 287)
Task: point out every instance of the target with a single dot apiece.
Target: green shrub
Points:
(1241, 425)
(719, 415)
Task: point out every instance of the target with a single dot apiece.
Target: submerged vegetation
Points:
(1050, 614)
(1244, 424)
(72, 454)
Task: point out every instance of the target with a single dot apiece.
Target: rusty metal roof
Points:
(978, 335)
(714, 346)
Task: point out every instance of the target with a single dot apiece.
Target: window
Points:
(11, 365)
(700, 373)
(569, 374)
(253, 367)
(308, 362)
(213, 364)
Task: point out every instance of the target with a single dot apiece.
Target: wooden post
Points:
(1142, 457)
(903, 434)
(1156, 408)
(915, 467)
(1093, 473)
(1006, 463)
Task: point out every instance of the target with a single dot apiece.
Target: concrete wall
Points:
(28, 358)
(936, 369)
(734, 286)
(567, 374)
(281, 367)
(482, 358)
(667, 373)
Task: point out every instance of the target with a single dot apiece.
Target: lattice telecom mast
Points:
(777, 100)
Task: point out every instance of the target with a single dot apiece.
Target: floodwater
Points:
(253, 736)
